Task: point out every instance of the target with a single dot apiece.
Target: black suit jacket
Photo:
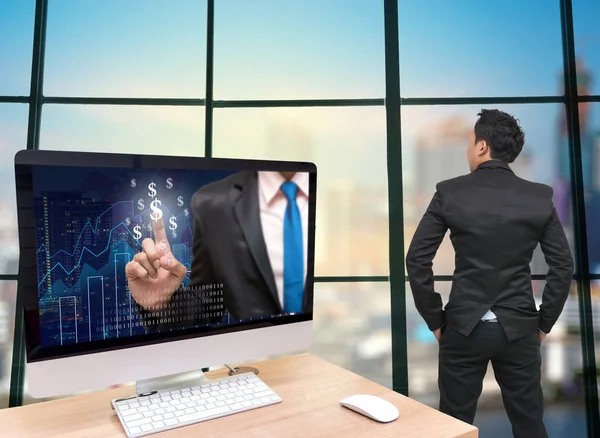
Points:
(496, 221)
(229, 249)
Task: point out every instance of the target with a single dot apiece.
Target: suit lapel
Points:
(247, 212)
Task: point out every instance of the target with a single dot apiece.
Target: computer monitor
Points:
(134, 267)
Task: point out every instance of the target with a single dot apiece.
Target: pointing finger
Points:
(160, 235)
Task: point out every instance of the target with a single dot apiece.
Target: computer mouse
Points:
(371, 406)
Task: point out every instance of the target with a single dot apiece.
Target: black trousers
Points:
(463, 362)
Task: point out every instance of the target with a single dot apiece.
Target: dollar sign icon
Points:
(186, 212)
(156, 212)
(141, 205)
(169, 183)
(127, 221)
(137, 232)
(133, 183)
(179, 201)
(173, 223)
(152, 192)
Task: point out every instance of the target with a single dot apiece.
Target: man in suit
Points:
(496, 220)
(250, 235)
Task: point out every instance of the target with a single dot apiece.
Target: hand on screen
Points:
(154, 273)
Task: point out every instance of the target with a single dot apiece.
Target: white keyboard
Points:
(147, 414)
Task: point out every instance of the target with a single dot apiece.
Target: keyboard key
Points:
(128, 412)
(171, 422)
(263, 394)
(134, 430)
(158, 425)
(147, 427)
(138, 423)
(133, 417)
(204, 414)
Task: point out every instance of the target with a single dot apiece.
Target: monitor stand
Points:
(173, 381)
(183, 380)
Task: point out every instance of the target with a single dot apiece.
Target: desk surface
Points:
(311, 389)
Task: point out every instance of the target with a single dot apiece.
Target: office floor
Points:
(561, 422)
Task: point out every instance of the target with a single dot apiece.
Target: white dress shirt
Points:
(273, 204)
(488, 315)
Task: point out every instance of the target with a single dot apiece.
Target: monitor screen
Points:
(131, 255)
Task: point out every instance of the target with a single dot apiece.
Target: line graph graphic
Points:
(84, 249)
(89, 223)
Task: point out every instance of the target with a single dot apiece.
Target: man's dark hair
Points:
(502, 133)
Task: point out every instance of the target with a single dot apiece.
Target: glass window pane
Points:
(17, 18)
(587, 45)
(273, 49)
(473, 48)
(562, 383)
(352, 328)
(137, 48)
(8, 299)
(589, 116)
(13, 137)
(434, 146)
(153, 130)
(348, 145)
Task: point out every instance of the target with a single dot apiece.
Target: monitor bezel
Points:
(26, 160)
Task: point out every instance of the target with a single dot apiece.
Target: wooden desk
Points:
(311, 389)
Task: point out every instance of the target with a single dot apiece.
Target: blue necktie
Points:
(293, 252)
